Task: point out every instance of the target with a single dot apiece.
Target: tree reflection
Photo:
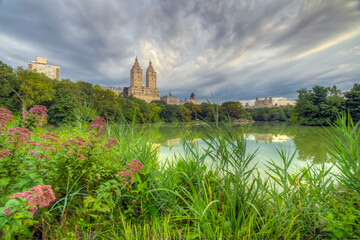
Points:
(309, 141)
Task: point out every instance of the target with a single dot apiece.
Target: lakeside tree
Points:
(9, 87)
(60, 111)
(318, 106)
(34, 88)
(352, 102)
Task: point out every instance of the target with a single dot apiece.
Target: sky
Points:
(220, 50)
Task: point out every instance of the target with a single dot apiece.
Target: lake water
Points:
(308, 142)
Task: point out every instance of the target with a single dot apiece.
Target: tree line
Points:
(68, 101)
(321, 105)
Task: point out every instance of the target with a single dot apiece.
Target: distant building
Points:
(148, 93)
(247, 105)
(40, 66)
(170, 99)
(192, 100)
(264, 103)
(116, 90)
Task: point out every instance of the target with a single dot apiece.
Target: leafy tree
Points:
(184, 114)
(34, 87)
(106, 103)
(233, 109)
(62, 104)
(352, 102)
(318, 106)
(194, 109)
(9, 88)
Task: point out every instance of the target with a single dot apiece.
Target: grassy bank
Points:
(108, 184)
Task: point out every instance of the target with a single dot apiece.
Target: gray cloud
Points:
(231, 49)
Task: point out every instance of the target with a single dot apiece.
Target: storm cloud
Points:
(232, 50)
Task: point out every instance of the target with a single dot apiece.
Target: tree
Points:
(62, 105)
(233, 109)
(106, 103)
(34, 87)
(352, 102)
(194, 109)
(184, 114)
(9, 88)
(318, 106)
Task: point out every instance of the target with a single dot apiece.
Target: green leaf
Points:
(4, 181)
(3, 221)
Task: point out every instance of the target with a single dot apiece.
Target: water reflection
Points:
(308, 141)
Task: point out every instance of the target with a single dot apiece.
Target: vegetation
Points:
(271, 114)
(21, 89)
(321, 105)
(84, 182)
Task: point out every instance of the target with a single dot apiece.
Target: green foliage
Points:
(35, 88)
(318, 106)
(213, 192)
(271, 114)
(352, 102)
(62, 105)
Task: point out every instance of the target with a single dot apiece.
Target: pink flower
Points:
(98, 124)
(5, 152)
(31, 152)
(82, 156)
(5, 116)
(69, 152)
(134, 201)
(110, 143)
(7, 210)
(37, 197)
(130, 170)
(40, 113)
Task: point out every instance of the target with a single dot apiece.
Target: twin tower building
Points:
(147, 93)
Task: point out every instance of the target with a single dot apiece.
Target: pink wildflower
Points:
(82, 156)
(134, 201)
(31, 152)
(21, 135)
(52, 134)
(69, 152)
(5, 116)
(5, 152)
(110, 143)
(98, 124)
(131, 169)
(7, 210)
(37, 197)
(40, 113)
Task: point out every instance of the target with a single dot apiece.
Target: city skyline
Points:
(228, 50)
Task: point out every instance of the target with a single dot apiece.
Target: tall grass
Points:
(191, 197)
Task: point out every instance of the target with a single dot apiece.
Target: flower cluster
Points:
(37, 197)
(5, 116)
(98, 124)
(39, 112)
(7, 210)
(51, 136)
(20, 135)
(4, 152)
(111, 142)
(130, 170)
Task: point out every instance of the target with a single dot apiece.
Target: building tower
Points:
(40, 66)
(150, 77)
(136, 75)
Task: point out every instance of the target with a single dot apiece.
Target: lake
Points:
(309, 142)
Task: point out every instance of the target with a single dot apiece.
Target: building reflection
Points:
(171, 143)
(267, 138)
